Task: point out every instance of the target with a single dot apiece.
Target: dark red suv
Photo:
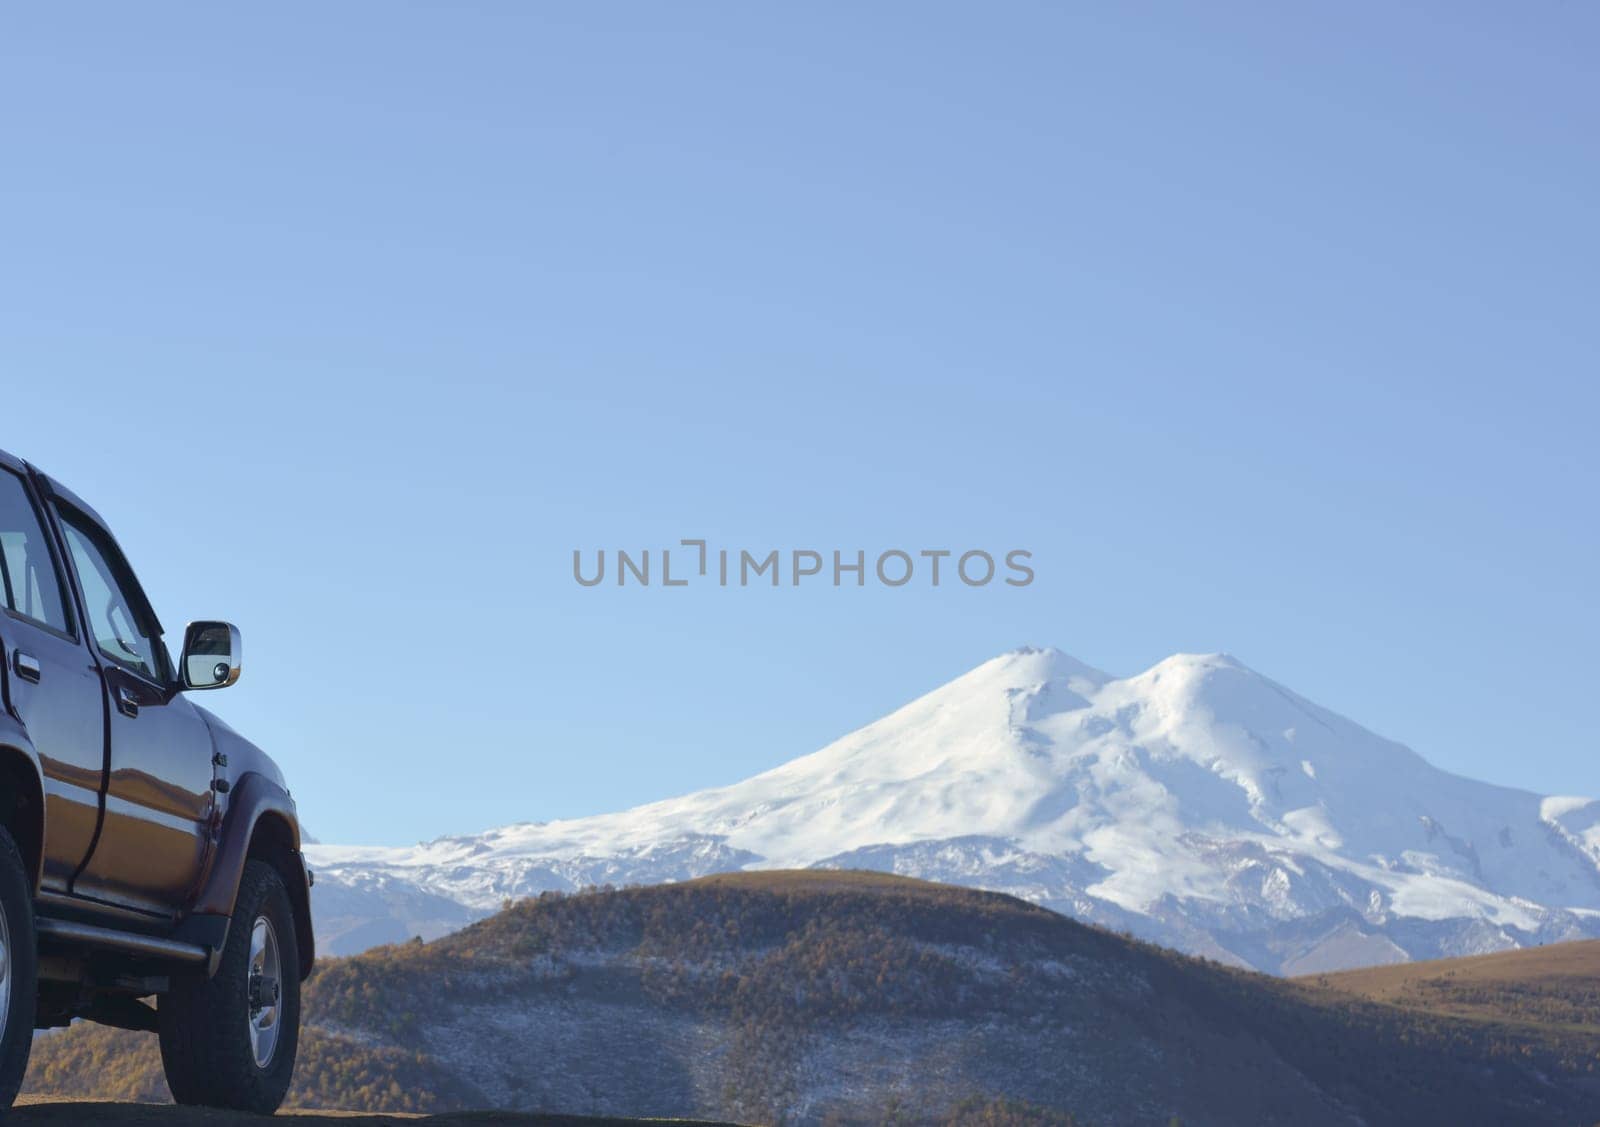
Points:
(148, 852)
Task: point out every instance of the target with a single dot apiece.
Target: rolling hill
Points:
(1198, 804)
(833, 996)
(1553, 987)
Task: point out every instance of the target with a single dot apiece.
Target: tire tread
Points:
(16, 896)
(205, 1047)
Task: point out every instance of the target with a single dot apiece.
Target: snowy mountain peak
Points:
(1198, 803)
(1024, 667)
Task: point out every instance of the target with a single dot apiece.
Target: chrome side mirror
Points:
(210, 655)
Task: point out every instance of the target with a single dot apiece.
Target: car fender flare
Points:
(16, 747)
(251, 799)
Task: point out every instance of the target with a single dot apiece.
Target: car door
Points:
(156, 829)
(52, 681)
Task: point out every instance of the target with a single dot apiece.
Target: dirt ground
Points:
(64, 1112)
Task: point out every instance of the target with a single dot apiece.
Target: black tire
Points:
(205, 1023)
(20, 972)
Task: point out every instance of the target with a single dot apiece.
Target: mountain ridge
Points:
(1198, 804)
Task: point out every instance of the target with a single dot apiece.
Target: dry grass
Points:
(1556, 987)
(818, 880)
(1580, 959)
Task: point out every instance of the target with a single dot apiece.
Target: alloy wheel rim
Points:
(264, 990)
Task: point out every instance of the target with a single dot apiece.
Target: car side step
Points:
(66, 931)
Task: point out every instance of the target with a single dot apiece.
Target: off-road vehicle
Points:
(150, 867)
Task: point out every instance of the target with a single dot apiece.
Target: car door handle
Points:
(127, 703)
(27, 666)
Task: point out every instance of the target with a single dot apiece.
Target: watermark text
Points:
(697, 562)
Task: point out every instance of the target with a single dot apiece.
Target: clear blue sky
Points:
(1267, 331)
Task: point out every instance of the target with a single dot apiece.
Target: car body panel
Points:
(151, 805)
(64, 715)
(158, 803)
(62, 710)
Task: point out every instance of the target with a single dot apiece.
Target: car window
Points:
(31, 585)
(109, 596)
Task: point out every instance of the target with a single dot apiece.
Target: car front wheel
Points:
(18, 967)
(229, 1040)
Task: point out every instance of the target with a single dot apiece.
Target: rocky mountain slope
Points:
(815, 997)
(1198, 804)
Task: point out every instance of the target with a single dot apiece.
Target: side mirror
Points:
(210, 655)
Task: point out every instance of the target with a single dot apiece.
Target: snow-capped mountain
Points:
(1197, 804)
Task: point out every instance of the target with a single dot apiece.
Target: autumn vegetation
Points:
(786, 961)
